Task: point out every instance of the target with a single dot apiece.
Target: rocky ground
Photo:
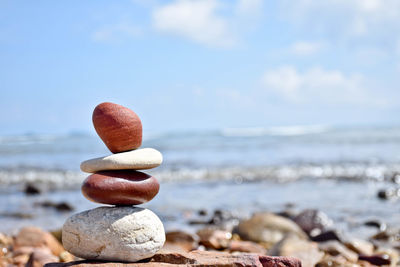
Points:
(223, 240)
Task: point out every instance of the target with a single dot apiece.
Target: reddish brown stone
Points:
(86, 263)
(35, 237)
(214, 238)
(119, 127)
(268, 261)
(125, 187)
(197, 258)
(179, 241)
(246, 246)
(376, 259)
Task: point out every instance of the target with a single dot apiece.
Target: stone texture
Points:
(327, 236)
(124, 187)
(337, 261)
(360, 246)
(119, 127)
(306, 251)
(36, 237)
(199, 258)
(139, 159)
(376, 259)
(391, 252)
(40, 256)
(313, 221)
(214, 238)
(268, 228)
(335, 248)
(5, 240)
(114, 233)
(246, 246)
(180, 241)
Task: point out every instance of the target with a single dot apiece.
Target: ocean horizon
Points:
(241, 154)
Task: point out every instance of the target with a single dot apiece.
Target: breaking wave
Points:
(356, 172)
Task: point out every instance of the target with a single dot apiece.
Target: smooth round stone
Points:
(139, 159)
(125, 234)
(119, 127)
(124, 187)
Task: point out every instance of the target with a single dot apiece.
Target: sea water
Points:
(335, 169)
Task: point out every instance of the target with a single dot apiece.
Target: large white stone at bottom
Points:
(114, 233)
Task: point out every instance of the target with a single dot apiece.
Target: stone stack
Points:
(122, 232)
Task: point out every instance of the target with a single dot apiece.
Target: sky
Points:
(199, 64)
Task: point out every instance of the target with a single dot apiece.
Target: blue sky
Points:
(199, 64)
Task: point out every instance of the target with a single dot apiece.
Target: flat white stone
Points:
(139, 159)
(114, 233)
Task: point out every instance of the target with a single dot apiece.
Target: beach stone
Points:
(377, 224)
(307, 252)
(338, 261)
(174, 248)
(124, 187)
(389, 193)
(5, 240)
(197, 258)
(388, 235)
(221, 219)
(288, 212)
(391, 252)
(119, 127)
(360, 246)
(214, 238)
(36, 237)
(114, 233)
(66, 257)
(327, 236)
(246, 246)
(20, 260)
(395, 178)
(41, 256)
(335, 248)
(139, 159)
(180, 241)
(268, 228)
(58, 206)
(214, 258)
(313, 221)
(378, 260)
(32, 189)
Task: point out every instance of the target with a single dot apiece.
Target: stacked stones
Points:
(122, 232)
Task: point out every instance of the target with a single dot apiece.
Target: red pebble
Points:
(125, 187)
(119, 127)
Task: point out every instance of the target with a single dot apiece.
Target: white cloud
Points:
(196, 20)
(320, 86)
(305, 48)
(116, 32)
(353, 17)
(284, 81)
(249, 7)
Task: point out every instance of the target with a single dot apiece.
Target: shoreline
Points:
(309, 235)
(346, 201)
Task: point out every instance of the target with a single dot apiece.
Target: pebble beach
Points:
(334, 190)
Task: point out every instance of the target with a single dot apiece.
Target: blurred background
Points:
(255, 105)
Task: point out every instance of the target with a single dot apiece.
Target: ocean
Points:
(338, 170)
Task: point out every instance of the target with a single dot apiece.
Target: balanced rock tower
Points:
(121, 231)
